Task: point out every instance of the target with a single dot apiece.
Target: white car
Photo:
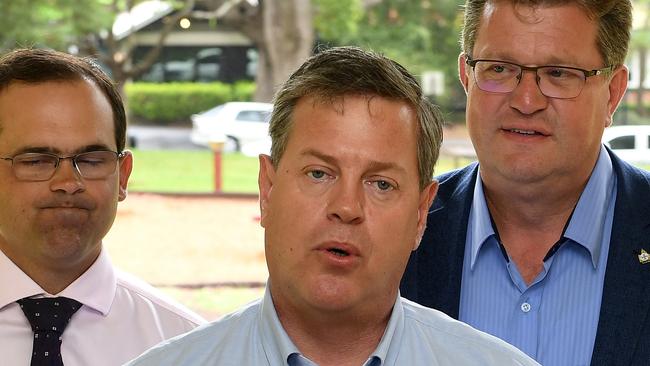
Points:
(630, 143)
(242, 126)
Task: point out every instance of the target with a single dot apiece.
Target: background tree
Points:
(118, 55)
(421, 35)
(82, 26)
(641, 43)
(51, 23)
(282, 31)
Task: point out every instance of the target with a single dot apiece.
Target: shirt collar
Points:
(391, 342)
(588, 222)
(278, 346)
(275, 340)
(21, 285)
(480, 223)
(95, 288)
(589, 213)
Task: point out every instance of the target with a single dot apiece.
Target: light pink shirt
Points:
(121, 316)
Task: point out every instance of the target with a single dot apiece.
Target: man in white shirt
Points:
(63, 170)
(344, 199)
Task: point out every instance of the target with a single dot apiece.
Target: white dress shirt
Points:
(121, 316)
(414, 336)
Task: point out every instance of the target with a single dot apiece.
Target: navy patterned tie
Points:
(48, 318)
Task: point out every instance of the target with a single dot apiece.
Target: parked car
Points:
(243, 125)
(631, 143)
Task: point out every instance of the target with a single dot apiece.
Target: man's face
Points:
(524, 136)
(343, 209)
(56, 224)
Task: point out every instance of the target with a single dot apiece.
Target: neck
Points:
(336, 338)
(531, 218)
(53, 277)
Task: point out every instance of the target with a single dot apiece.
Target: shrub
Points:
(165, 103)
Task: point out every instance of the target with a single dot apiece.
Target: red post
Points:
(217, 171)
(217, 149)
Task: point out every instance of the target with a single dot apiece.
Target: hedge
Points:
(165, 103)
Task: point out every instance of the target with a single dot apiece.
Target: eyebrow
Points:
(552, 61)
(52, 150)
(373, 166)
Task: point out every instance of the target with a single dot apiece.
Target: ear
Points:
(126, 165)
(265, 183)
(426, 198)
(617, 87)
(463, 71)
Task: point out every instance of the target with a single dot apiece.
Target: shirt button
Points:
(525, 307)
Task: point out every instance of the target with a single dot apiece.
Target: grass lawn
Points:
(188, 171)
(192, 171)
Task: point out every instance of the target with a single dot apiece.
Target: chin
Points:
(332, 294)
(68, 246)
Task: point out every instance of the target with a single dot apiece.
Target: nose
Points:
(527, 98)
(346, 203)
(67, 178)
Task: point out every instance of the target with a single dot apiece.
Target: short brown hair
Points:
(614, 19)
(40, 65)
(341, 71)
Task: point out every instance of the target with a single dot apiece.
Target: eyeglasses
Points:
(560, 82)
(37, 167)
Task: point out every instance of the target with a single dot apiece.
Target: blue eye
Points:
(317, 174)
(383, 185)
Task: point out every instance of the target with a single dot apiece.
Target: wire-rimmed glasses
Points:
(42, 166)
(563, 82)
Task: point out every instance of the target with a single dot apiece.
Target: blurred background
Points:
(198, 76)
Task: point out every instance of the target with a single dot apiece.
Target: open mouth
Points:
(338, 252)
(524, 132)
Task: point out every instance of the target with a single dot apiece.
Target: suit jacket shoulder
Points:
(433, 274)
(623, 335)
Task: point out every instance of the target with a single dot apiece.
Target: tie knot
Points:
(49, 314)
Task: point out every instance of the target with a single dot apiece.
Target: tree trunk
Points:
(288, 39)
(282, 31)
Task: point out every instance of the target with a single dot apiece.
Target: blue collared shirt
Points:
(254, 336)
(554, 319)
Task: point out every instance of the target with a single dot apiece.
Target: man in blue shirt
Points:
(542, 242)
(343, 199)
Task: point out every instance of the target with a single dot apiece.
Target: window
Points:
(252, 116)
(622, 143)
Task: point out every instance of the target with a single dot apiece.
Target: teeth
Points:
(523, 132)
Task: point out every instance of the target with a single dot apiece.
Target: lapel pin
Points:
(644, 257)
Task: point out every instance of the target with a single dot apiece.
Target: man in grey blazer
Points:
(548, 249)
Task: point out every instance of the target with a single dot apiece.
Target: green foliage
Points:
(627, 114)
(172, 102)
(337, 19)
(421, 35)
(49, 23)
